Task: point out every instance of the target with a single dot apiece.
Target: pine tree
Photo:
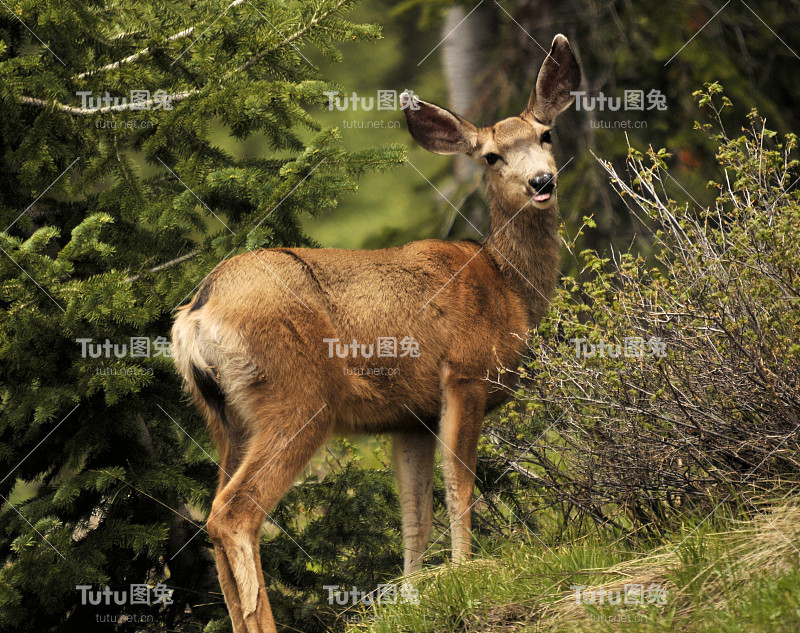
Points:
(115, 211)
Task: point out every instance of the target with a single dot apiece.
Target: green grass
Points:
(717, 576)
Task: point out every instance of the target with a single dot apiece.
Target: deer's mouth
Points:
(542, 195)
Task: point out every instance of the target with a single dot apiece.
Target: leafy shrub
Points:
(690, 397)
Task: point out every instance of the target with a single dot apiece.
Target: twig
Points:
(160, 267)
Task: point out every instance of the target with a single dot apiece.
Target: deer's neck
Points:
(526, 247)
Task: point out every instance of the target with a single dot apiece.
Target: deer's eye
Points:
(547, 138)
(492, 158)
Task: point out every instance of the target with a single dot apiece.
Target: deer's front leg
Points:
(463, 408)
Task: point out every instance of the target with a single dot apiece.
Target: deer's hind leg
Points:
(281, 443)
(230, 449)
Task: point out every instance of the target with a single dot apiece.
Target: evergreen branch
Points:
(160, 267)
(180, 96)
(291, 38)
(149, 496)
(146, 52)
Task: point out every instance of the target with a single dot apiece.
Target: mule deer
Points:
(254, 345)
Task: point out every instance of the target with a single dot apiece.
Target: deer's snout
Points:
(543, 183)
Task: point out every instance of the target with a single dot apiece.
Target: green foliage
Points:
(347, 527)
(113, 217)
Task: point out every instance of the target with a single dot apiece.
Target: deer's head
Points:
(517, 152)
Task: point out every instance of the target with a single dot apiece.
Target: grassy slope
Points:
(719, 577)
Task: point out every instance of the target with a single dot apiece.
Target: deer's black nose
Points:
(543, 183)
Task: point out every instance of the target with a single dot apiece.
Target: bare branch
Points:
(160, 267)
(138, 105)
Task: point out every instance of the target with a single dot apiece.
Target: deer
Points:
(255, 345)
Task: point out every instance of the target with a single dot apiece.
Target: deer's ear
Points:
(438, 130)
(559, 75)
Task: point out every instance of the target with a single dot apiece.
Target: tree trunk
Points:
(465, 60)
